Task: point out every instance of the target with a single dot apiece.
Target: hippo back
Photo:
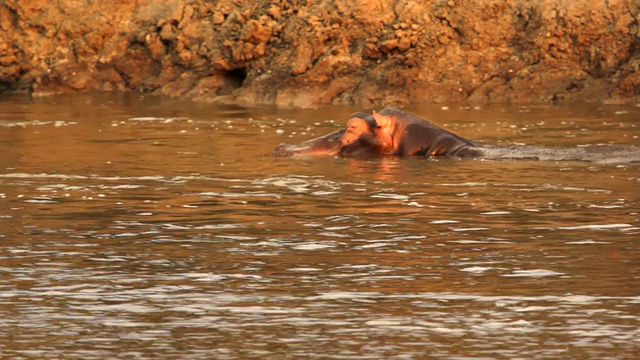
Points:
(415, 135)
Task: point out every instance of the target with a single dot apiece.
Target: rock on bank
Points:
(304, 52)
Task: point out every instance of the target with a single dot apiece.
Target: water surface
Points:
(146, 227)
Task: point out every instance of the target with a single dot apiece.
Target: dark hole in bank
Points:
(233, 80)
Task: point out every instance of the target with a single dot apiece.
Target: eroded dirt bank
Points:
(300, 53)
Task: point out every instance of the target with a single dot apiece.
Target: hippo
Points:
(389, 132)
(326, 145)
(410, 135)
(397, 132)
(364, 138)
(357, 140)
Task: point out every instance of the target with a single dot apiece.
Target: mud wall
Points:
(301, 53)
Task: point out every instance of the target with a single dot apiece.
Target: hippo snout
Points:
(282, 150)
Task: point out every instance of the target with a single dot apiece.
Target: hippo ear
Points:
(382, 121)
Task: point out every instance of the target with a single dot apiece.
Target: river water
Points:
(149, 228)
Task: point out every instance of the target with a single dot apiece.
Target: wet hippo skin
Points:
(396, 132)
(389, 132)
(411, 135)
(327, 145)
(364, 138)
(333, 144)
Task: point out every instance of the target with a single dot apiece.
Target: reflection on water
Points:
(153, 228)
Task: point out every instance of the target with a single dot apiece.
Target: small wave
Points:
(41, 200)
(471, 229)
(262, 310)
(119, 308)
(305, 269)
(335, 295)
(385, 322)
(476, 269)
(24, 124)
(312, 246)
(157, 178)
(443, 222)
(169, 226)
(324, 193)
(303, 184)
(391, 196)
(536, 273)
(41, 175)
(470, 184)
(239, 195)
(595, 226)
(374, 245)
(159, 119)
(583, 242)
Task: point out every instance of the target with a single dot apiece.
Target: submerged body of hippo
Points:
(400, 133)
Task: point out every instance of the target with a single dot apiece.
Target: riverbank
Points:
(359, 52)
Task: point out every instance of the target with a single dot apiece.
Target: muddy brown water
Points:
(145, 227)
